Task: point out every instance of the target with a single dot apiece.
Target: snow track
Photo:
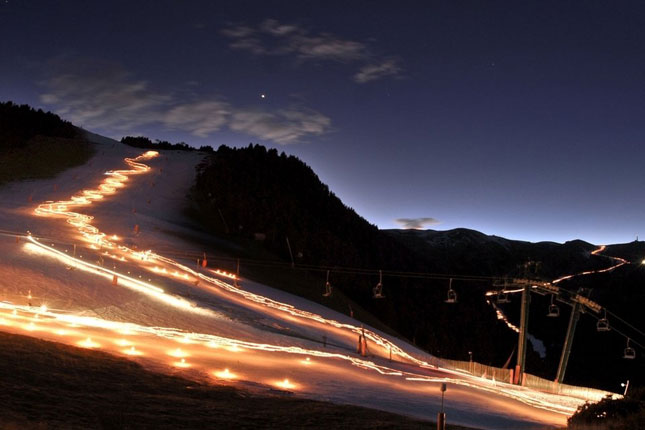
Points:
(88, 275)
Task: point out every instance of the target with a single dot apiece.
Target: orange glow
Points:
(181, 363)
(225, 374)
(177, 353)
(223, 273)
(31, 327)
(88, 343)
(132, 351)
(620, 262)
(285, 384)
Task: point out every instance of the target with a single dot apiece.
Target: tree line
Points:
(20, 123)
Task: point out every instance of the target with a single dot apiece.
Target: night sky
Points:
(516, 118)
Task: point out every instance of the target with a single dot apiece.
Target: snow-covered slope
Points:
(101, 289)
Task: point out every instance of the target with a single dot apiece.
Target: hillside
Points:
(49, 385)
(324, 233)
(247, 193)
(135, 199)
(37, 144)
(172, 315)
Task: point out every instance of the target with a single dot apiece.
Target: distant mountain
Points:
(471, 252)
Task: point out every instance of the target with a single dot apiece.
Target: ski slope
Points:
(85, 262)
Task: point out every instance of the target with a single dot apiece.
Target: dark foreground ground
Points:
(46, 385)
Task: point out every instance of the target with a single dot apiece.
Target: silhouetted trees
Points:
(19, 123)
(146, 143)
(617, 414)
(248, 192)
(37, 144)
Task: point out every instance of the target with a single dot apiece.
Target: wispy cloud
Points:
(102, 95)
(274, 38)
(200, 118)
(105, 98)
(372, 72)
(417, 223)
(284, 126)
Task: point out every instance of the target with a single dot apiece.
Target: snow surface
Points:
(274, 344)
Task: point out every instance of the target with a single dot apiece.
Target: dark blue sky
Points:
(515, 118)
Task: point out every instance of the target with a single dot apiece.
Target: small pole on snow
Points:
(237, 274)
(441, 416)
(290, 254)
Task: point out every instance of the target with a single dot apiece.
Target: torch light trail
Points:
(202, 346)
(500, 313)
(554, 403)
(116, 179)
(619, 262)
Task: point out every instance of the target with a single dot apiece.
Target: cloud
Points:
(102, 95)
(273, 38)
(417, 223)
(199, 118)
(327, 47)
(105, 98)
(273, 27)
(372, 72)
(283, 127)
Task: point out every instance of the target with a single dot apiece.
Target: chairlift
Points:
(502, 297)
(452, 294)
(603, 323)
(554, 310)
(328, 287)
(629, 353)
(377, 291)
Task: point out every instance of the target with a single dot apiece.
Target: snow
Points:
(261, 334)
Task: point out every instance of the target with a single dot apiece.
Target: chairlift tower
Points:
(566, 349)
(524, 323)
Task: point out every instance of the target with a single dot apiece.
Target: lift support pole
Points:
(566, 350)
(524, 325)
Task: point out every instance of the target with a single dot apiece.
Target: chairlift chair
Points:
(502, 297)
(377, 291)
(452, 294)
(328, 290)
(328, 287)
(603, 323)
(629, 353)
(554, 310)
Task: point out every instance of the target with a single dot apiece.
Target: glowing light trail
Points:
(205, 346)
(620, 261)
